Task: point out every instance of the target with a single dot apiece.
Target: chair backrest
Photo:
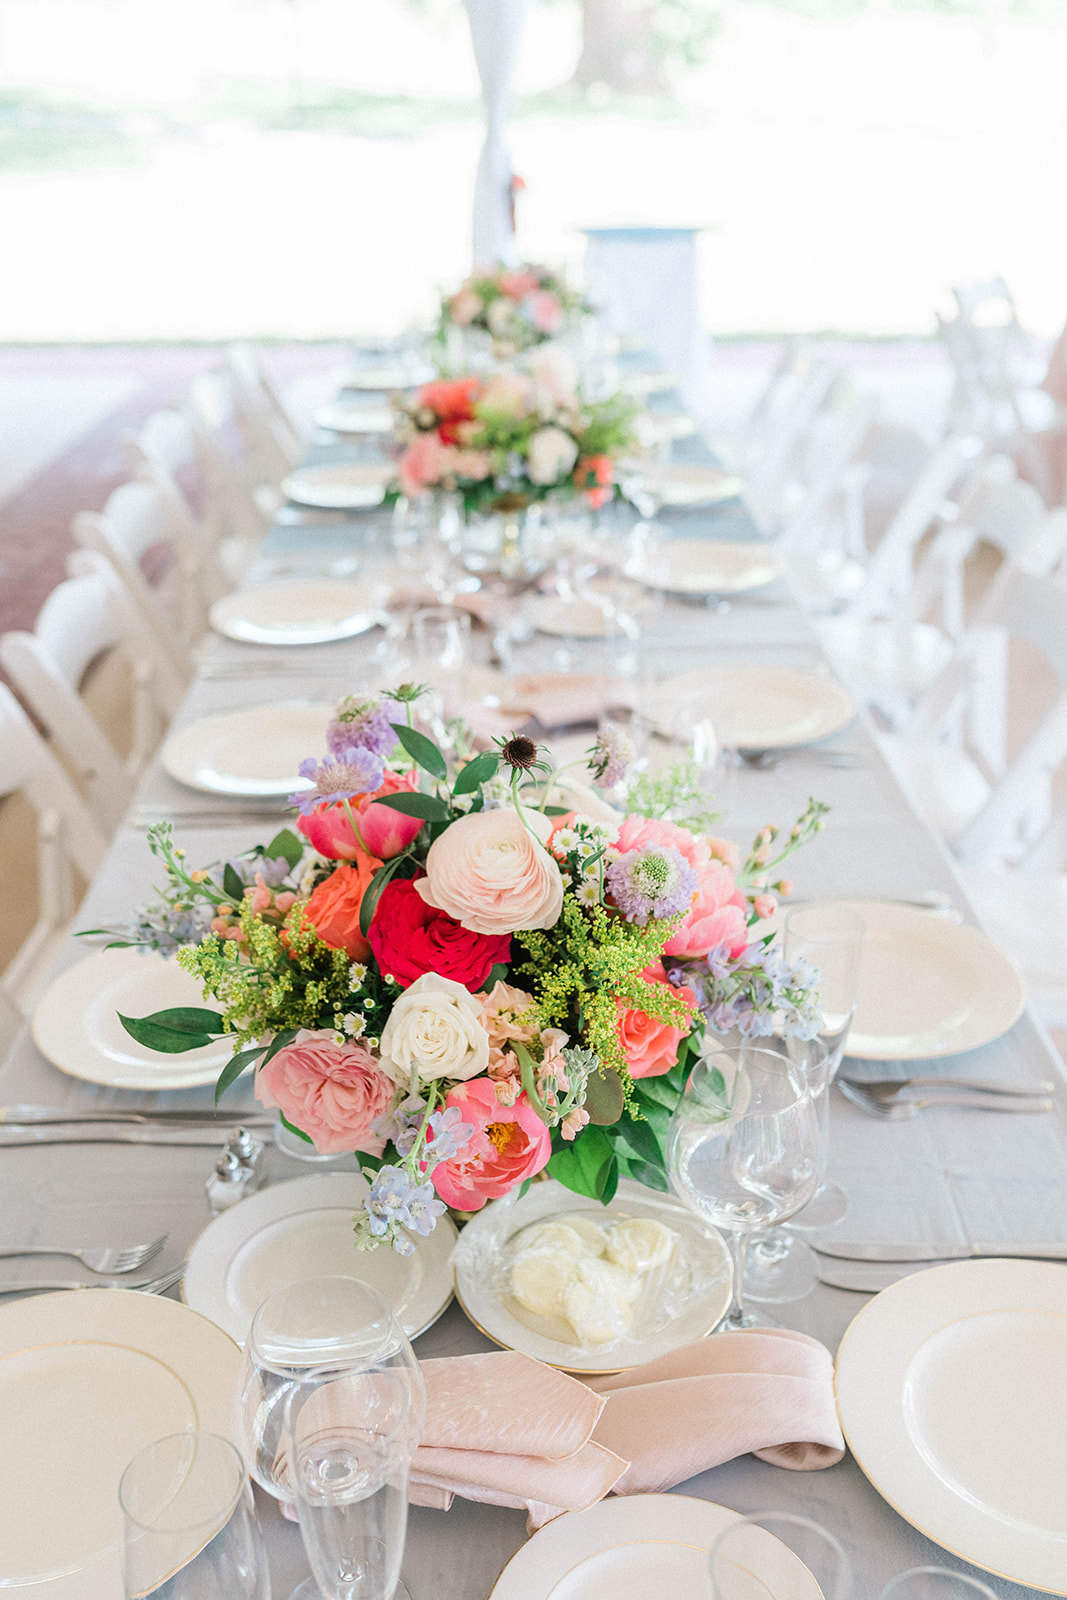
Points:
(162, 450)
(136, 520)
(67, 838)
(800, 397)
(970, 705)
(270, 436)
(230, 478)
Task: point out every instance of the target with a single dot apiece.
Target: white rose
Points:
(552, 455)
(434, 1031)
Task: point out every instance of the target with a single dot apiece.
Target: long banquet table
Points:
(947, 1175)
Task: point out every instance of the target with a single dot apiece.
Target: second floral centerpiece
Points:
(469, 971)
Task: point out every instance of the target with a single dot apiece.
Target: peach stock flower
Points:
(330, 1091)
(489, 872)
(651, 1047)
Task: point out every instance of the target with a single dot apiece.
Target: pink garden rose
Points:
(489, 872)
(385, 832)
(517, 284)
(546, 311)
(330, 1091)
(509, 1145)
(718, 916)
(651, 1047)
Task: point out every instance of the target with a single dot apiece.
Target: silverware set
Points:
(39, 1125)
(868, 1268)
(107, 1261)
(892, 1099)
(159, 1285)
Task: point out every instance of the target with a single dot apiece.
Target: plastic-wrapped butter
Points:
(588, 1272)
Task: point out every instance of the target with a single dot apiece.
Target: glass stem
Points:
(738, 1249)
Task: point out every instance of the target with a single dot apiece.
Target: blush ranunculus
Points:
(651, 1047)
(464, 306)
(333, 908)
(509, 1145)
(385, 832)
(489, 872)
(409, 938)
(330, 1091)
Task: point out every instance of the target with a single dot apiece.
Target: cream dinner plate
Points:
(359, 418)
(292, 611)
(255, 753)
(571, 619)
(641, 1547)
(952, 1393)
(759, 708)
(343, 486)
(711, 566)
(86, 1381)
(303, 1229)
(695, 1297)
(928, 987)
(76, 1022)
(685, 483)
(379, 379)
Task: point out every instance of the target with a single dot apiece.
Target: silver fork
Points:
(108, 1259)
(887, 1090)
(160, 1285)
(899, 1110)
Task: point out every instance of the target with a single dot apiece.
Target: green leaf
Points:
(604, 1098)
(233, 883)
(497, 973)
(555, 811)
(234, 1068)
(287, 844)
(582, 1166)
(641, 1138)
(650, 1176)
(657, 1091)
(283, 1037)
(292, 1129)
(369, 1164)
(609, 1182)
(421, 749)
(477, 772)
(374, 891)
(176, 1030)
(411, 804)
(524, 1185)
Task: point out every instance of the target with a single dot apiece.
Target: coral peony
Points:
(384, 832)
(331, 1091)
(651, 1047)
(489, 872)
(510, 1144)
(434, 1031)
(409, 938)
(333, 908)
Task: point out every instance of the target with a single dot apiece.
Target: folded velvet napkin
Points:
(504, 1429)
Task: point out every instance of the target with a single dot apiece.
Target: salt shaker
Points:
(249, 1152)
(227, 1184)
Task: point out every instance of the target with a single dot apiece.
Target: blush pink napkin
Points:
(504, 1429)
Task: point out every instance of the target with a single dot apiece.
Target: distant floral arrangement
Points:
(506, 441)
(466, 983)
(516, 306)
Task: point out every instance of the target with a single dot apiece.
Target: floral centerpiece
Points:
(516, 306)
(509, 440)
(465, 983)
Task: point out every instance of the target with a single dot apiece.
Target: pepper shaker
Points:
(249, 1152)
(227, 1184)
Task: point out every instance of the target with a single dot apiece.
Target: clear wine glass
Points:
(349, 1444)
(767, 1553)
(745, 1150)
(935, 1583)
(306, 1335)
(189, 1527)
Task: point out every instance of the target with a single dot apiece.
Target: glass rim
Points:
(220, 1516)
(326, 1345)
(976, 1584)
(793, 1519)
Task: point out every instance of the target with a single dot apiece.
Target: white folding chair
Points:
(773, 477)
(67, 839)
(271, 439)
(137, 521)
(244, 499)
(81, 619)
(163, 452)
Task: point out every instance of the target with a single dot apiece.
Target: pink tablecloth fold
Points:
(504, 1429)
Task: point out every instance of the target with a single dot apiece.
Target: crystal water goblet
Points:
(767, 1553)
(745, 1150)
(935, 1583)
(189, 1527)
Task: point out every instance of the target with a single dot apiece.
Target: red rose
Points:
(410, 938)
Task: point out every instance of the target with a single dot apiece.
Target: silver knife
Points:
(26, 1116)
(863, 1277)
(844, 1250)
(107, 1133)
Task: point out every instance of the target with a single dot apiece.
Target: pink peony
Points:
(385, 832)
(420, 466)
(546, 311)
(651, 1047)
(509, 1145)
(489, 872)
(330, 1091)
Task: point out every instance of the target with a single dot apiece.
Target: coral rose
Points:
(651, 1047)
(410, 938)
(333, 908)
(509, 1145)
(331, 1091)
(492, 874)
(450, 399)
(385, 832)
(594, 475)
(434, 1031)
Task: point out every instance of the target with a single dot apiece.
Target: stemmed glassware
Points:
(189, 1528)
(935, 1583)
(745, 1150)
(766, 1554)
(323, 1334)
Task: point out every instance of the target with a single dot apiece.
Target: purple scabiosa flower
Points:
(654, 882)
(611, 757)
(353, 773)
(361, 725)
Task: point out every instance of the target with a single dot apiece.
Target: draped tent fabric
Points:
(496, 33)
